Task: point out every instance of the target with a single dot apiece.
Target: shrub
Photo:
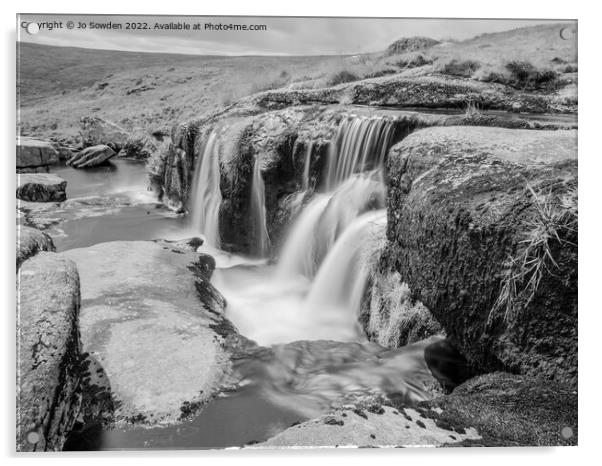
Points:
(414, 61)
(342, 77)
(463, 68)
(524, 75)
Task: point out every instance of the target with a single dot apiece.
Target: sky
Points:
(282, 35)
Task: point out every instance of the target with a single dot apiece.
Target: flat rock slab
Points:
(41, 187)
(30, 241)
(389, 427)
(91, 156)
(33, 153)
(143, 319)
(48, 351)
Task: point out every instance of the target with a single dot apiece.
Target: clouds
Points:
(283, 35)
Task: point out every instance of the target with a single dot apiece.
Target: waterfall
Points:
(258, 210)
(360, 143)
(340, 283)
(206, 196)
(323, 220)
(305, 184)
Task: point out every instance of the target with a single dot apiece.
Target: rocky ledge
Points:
(155, 324)
(34, 155)
(41, 187)
(482, 227)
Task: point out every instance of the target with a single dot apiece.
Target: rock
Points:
(410, 44)
(35, 155)
(30, 241)
(95, 131)
(351, 427)
(155, 325)
(469, 210)
(140, 146)
(48, 398)
(41, 187)
(508, 410)
(91, 156)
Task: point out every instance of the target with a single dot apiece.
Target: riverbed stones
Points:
(34, 155)
(48, 351)
(41, 187)
(148, 320)
(478, 216)
(30, 241)
(91, 156)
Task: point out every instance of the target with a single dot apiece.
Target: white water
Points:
(325, 218)
(306, 165)
(206, 196)
(258, 211)
(360, 143)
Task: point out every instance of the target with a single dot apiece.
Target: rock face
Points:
(508, 410)
(482, 226)
(95, 131)
(34, 155)
(91, 156)
(48, 352)
(30, 241)
(386, 427)
(41, 187)
(155, 324)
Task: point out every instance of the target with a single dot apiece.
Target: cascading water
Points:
(206, 196)
(258, 211)
(324, 219)
(306, 165)
(360, 143)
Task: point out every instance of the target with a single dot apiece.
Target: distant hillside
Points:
(59, 85)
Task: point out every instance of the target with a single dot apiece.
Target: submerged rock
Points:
(483, 229)
(91, 156)
(34, 155)
(30, 241)
(48, 352)
(154, 324)
(41, 187)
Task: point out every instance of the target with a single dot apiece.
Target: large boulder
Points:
(95, 131)
(384, 426)
(30, 241)
(482, 227)
(41, 187)
(48, 352)
(91, 156)
(34, 155)
(155, 324)
(508, 410)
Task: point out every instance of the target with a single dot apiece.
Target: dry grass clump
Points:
(555, 216)
(461, 68)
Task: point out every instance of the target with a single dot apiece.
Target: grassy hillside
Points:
(59, 85)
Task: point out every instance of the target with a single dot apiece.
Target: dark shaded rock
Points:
(468, 208)
(35, 155)
(91, 156)
(30, 241)
(510, 410)
(446, 364)
(41, 187)
(48, 356)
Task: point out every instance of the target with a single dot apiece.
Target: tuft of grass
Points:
(341, 77)
(462, 68)
(555, 215)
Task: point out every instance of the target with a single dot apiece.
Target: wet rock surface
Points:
(41, 187)
(35, 155)
(30, 241)
(48, 352)
(92, 156)
(147, 320)
(470, 211)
